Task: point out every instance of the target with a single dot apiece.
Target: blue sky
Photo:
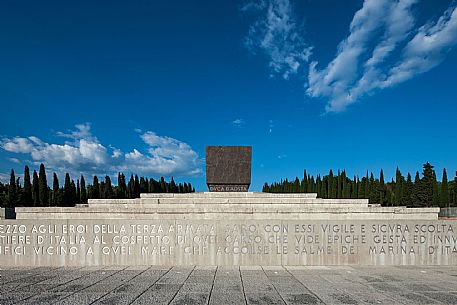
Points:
(97, 87)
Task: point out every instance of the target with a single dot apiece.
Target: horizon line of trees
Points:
(35, 191)
(424, 191)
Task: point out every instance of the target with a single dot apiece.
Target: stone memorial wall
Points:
(229, 242)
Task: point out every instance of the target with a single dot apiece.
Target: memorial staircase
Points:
(229, 205)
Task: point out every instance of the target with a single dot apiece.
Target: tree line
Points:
(424, 191)
(36, 192)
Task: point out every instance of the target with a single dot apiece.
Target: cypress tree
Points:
(3, 194)
(445, 202)
(143, 185)
(72, 193)
(390, 192)
(146, 180)
(19, 191)
(43, 186)
(27, 197)
(331, 190)
(35, 190)
(121, 186)
(131, 188)
(398, 187)
(163, 185)
(83, 190)
(296, 186)
(12, 191)
(56, 200)
(426, 186)
(319, 186)
(312, 185)
(95, 188)
(67, 191)
(341, 184)
(436, 191)
(78, 192)
(153, 186)
(372, 190)
(325, 187)
(355, 191)
(137, 187)
(382, 188)
(108, 188)
(416, 197)
(345, 185)
(338, 185)
(362, 188)
(102, 189)
(455, 190)
(407, 191)
(305, 181)
(172, 185)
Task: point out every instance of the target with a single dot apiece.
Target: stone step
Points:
(101, 216)
(228, 211)
(218, 201)
(228, 195)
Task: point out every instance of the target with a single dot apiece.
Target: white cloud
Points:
(82, 132)
(14, 160)
(426, 50)
(359, 69)
(85, 154)
(134, 155)
(277, 35)
(4, 178)
(334, 81)
(116, 152)
(384, 48)
(238, 122)
(18, 145)
(399, 23)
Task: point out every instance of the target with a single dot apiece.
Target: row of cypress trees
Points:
(424, 191)
(35, 191)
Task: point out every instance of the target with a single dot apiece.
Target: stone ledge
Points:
(228, 194)
(272, 209)
(229, 200)
(217, 201)
(234, 212)
(232, 216)
(114, 201)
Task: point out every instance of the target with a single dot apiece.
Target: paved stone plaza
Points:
(225, 285)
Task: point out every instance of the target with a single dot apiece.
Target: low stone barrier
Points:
(448, 212)
(7, 213)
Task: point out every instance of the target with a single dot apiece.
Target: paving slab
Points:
(213, 285)
(227, 287)
(158, 294)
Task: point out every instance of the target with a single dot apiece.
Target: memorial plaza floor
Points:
(223, 285)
